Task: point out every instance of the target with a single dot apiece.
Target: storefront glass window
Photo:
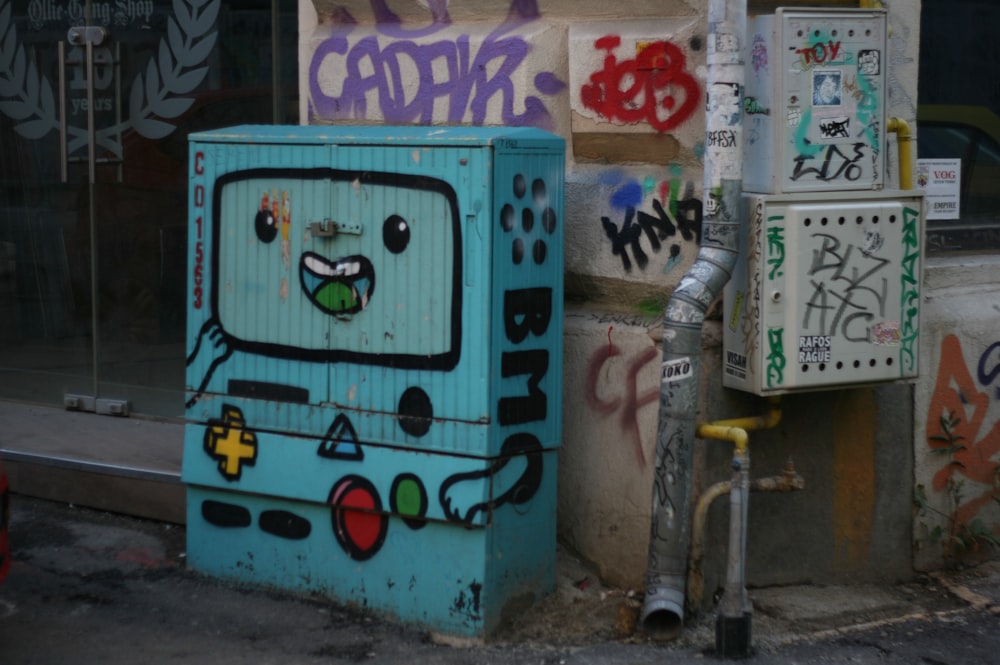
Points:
(958, 116)
(96, 101)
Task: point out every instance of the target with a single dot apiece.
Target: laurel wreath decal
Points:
(189, 41)
(155, 97)
(27, 96)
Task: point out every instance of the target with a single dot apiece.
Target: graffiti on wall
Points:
(410, 76)
(746, 310)
(621, 400)
(947, 239)
(758, 55)
(963, 427)
(655, 87)
(848, 286)
(675, 218)
(837, 137)
(910, 296)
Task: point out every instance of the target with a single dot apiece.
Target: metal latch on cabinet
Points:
(329, 228)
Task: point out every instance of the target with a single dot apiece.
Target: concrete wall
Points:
(957, 415)
(632, 229)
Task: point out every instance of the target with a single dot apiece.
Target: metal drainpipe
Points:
(662, 614)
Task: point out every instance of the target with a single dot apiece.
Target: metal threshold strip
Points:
(88, 466)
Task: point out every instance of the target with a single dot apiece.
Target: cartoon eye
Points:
(396, 234)
(265, 226)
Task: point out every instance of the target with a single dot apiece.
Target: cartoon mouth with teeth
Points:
(339, 287)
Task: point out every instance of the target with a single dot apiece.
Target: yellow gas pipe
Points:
(904, 141)
(735, 429)
(733, 622)
(788, 481)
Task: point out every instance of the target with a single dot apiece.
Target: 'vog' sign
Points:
(941, 179)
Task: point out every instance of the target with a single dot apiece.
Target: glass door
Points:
(96, 102)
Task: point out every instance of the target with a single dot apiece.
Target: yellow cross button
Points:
(229, 442)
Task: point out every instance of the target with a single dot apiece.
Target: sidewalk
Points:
(59, 455)
(580, 608)
(130, 465)
(94, 587)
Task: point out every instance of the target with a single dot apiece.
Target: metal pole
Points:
(732, 626)
(92, 177)
(276, 96)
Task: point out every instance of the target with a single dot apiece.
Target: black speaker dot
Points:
(520, 186)
(538, 252)
(527, 220)
(549, 220)
(517, 251)
(507, 217)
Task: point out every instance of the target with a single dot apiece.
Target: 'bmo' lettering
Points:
(526, 312)
(530, 407)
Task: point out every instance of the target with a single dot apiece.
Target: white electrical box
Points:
(826, 292)
(815, 101)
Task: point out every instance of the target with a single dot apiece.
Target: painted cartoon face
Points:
(339, 286)
(338, 263)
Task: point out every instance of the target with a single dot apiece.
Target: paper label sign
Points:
(941, 180)
(679, 369)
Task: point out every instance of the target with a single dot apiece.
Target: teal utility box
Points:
(375, 364)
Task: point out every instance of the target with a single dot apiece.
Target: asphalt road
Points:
(92, 587)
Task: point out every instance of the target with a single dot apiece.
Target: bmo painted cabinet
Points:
(374, 365)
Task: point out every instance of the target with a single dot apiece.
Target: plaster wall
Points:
(957, 413)
(624, 83)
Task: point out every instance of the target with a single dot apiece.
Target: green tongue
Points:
(336, 296)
